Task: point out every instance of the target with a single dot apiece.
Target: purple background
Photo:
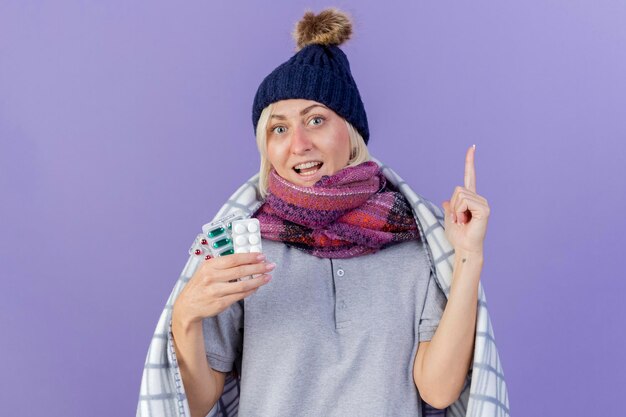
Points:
(118, 120)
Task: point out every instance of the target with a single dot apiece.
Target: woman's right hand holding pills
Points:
(209, 291)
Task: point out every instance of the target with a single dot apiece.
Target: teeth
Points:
(307, 165)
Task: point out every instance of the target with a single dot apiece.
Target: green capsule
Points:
(227, 252)
(230, 226)
(221, 242)
(216, 232)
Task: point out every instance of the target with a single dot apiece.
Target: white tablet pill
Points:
(246, 234)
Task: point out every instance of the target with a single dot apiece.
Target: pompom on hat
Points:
(319, 71)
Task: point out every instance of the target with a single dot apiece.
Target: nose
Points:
(300, 141)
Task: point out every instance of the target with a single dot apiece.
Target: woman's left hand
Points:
(466, 213)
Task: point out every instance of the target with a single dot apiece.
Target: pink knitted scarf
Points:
(351, 213)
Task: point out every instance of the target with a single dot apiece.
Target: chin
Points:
(305, 182)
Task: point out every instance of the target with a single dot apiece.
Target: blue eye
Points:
(277, 127)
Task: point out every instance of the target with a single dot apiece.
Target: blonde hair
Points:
(358, 153)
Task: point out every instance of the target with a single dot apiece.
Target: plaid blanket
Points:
(162, 393)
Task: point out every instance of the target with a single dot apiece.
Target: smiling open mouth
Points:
(308, 168)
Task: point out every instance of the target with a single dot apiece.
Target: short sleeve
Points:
(223, 337)
(434, 305)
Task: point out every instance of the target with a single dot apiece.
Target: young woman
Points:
(345, 315)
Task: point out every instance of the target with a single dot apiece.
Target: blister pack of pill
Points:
(215, 239)
(230, 234)
(246, 235)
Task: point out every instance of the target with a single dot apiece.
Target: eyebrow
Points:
(302, 113)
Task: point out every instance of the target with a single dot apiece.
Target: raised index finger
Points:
(470, 171)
